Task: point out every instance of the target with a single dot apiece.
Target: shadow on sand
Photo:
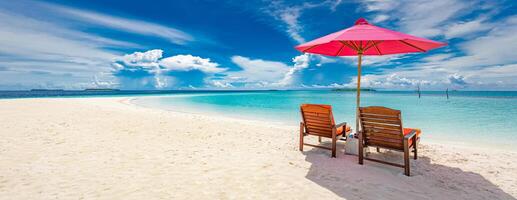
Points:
(346, 178)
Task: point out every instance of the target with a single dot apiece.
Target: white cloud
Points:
(221, 84)
(37, 39)
(34, 44)
(479, 58)
(380, 5)
(257, 70)
(258, 73)
(152, 60)
(419, 17)
(334, 4)
(148, 59)
(333, 85)
(300, 62)
(323, 59)
(496, 46)
(438, 57)
(117, 66)
(189, 62)
(493, 77)
(290, 15)
(380, 18)
(55, 38)
(103, 84)
(125, 24)
(484, 51)
(461, 29)
(438, 77)
(293, 26)
(373, 61)
(153, 63)
(419, 20)
(161, 81)
(457, 80)
(389, 80)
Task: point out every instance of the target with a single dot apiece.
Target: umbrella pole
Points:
(358, 103)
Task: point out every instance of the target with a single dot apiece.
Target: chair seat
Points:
(339, 130)
(382, 131)
(318, 120)
(408, 130)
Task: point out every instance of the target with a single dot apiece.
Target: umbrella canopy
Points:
(366, 39)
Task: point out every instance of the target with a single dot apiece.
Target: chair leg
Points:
(334, 141)
(415, 153)
(406, 159)
(301, 136)
(360, 149)
(319, 139)
(378, 150)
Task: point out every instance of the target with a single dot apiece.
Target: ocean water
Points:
(479, 118)
(484, 119)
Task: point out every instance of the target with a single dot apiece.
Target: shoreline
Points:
(109, 148)
(129, 101)
(442, 142)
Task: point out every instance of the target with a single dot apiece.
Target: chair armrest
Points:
(410, 135)
(340, 125)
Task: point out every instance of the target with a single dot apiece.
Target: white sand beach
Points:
(106, 148)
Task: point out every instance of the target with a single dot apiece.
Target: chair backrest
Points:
(318, 119)
(381, 127)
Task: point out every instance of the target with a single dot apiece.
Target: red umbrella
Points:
(366, 39)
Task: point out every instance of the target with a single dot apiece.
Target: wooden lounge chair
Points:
(382, 128)
(319, 121)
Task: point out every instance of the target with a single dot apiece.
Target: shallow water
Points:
(487, 119)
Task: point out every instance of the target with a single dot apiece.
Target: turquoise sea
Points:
(484, 119)
(479, 118)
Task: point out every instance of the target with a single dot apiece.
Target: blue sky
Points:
(249, 44)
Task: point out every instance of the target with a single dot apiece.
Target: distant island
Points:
(353, 89)
(101, 89)
(87, 90)
(47, 90)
